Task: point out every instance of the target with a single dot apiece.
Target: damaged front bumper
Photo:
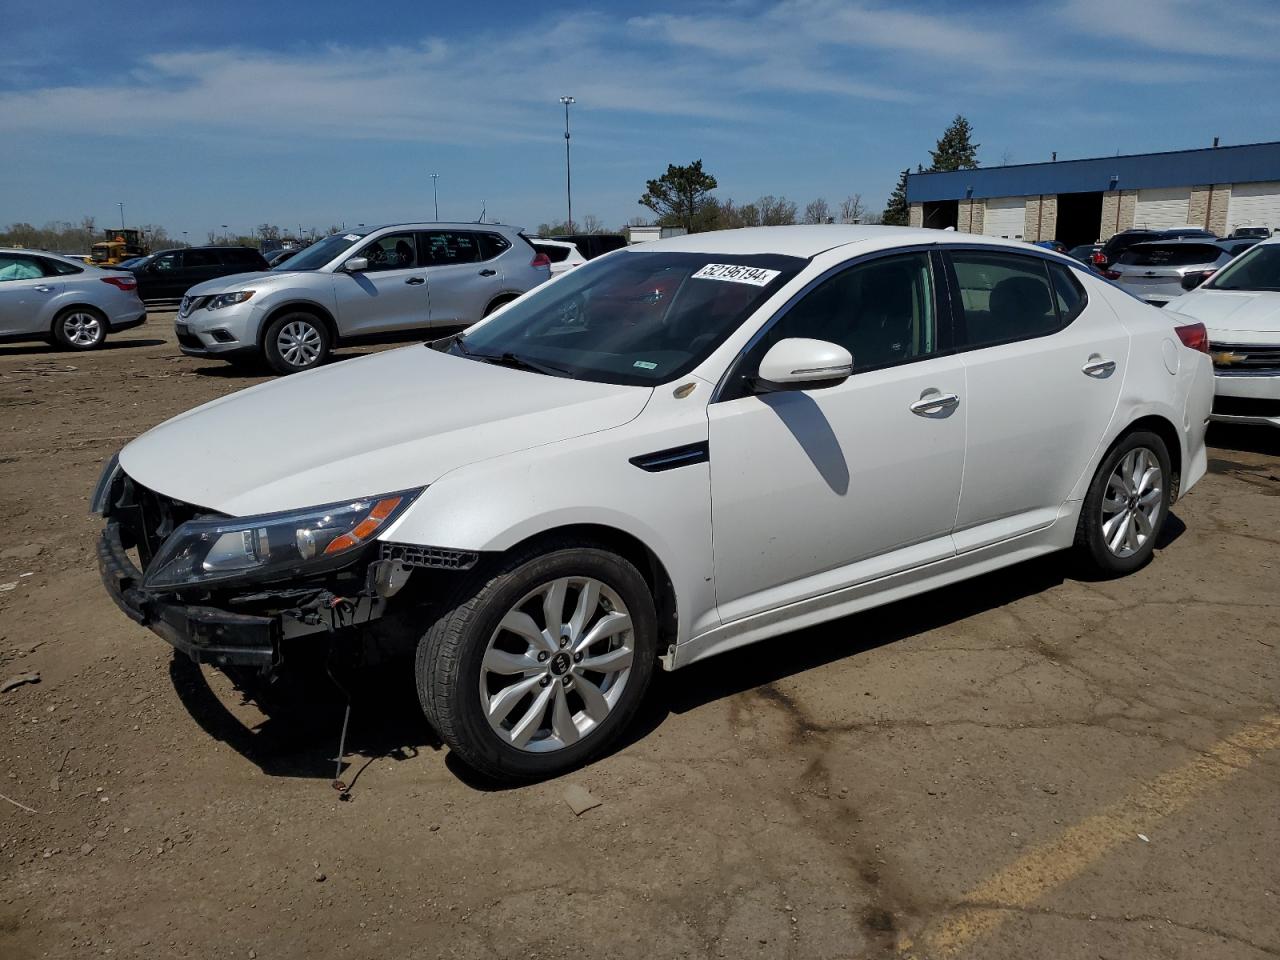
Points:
(210, 634)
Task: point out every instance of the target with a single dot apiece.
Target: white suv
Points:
(669, 452)
(399, 277)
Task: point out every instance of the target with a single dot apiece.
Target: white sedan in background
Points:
(1240, 307)
(670, 452)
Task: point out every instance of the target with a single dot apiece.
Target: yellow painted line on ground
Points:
(1030, 877)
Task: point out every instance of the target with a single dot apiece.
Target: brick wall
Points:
(1031, 221)
(916, 216)
(1118, 210)
(979, 215)
(1217, 198)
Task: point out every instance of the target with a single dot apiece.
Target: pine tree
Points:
(681, 196)
(955, 149)
(896, 212)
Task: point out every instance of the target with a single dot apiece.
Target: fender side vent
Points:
(673, 457)
(438, 558)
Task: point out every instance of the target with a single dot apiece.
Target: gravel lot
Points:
(1026, 765)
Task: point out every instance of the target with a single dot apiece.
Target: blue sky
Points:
(199, 114)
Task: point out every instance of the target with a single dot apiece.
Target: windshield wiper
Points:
(517, 362)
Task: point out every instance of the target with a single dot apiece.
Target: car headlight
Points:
(273, 545)
(228, 299)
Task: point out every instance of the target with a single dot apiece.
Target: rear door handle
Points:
(934, 403)
(414, 281)
(486, 272)
(1098, 367)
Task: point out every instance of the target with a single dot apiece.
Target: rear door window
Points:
(1002, 297)
(1068, 292)
(555, 254)
(242, 258)
(442, 248)
(201, 258)
(58, 268)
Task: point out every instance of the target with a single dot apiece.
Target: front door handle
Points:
(1098, 367)
(933, 403)
(486, 272)
(43, 289)
(414, 281)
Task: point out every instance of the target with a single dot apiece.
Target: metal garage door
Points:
(1004, 217)
(1254, 205)
(1163, 208)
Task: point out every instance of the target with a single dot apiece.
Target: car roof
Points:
(810, 240)
(1181, 242)
(434, 225)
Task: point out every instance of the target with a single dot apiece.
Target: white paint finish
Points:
(1004, 217)
(509, 455)
(799, 360)
(384, 422)
(1254, 205)
(813, 488)
(1162, 208)
(1035, 420)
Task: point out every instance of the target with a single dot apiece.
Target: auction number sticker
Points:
(736, 273)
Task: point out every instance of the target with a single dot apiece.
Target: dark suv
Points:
(169, 274)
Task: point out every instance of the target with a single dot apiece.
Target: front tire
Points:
(80, 328)
(296, 341)
(1126, 506)
(538, 665)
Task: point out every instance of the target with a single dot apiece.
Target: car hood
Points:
(1232, 311)
(376, 424)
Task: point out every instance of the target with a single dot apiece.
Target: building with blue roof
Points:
(1081, 201)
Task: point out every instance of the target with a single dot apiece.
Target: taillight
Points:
(1111, 274)
(540, 260)
(122, 283)
(1098, 257)
(1193, 335)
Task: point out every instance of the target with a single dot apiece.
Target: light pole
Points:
(224, 234)
(568, 181)
(185, 243)
(435, 193)
(120, 204)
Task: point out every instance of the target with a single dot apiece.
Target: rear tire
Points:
(521, 692)
(80, 328)
(1126, 506)
(295, 341)
(497, 302)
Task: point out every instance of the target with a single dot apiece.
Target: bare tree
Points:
(593, 224)
(852, 209)
(776, 211)
(816, 211)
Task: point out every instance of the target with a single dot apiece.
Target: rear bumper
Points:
(205, 634)
(129, 323)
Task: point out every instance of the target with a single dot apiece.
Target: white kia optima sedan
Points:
(1240, 307)
(664, 454)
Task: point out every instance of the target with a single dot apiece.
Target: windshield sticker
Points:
(352, 236)
(645, 365)
(736, 273)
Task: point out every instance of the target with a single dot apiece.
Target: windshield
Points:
(631, 318)
(1256, 269)
(318, 254)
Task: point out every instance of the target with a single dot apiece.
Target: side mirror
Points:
(799, 363)
(356, 264)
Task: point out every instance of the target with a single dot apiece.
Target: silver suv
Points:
(1158, 271)
(397, 277)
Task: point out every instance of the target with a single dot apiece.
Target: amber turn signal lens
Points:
(365, 528)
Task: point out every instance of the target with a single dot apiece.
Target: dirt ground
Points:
(1024, 766)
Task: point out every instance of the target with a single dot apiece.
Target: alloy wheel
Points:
(1132, 502)
(82, 329)
(557, 664)
(299, 343)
